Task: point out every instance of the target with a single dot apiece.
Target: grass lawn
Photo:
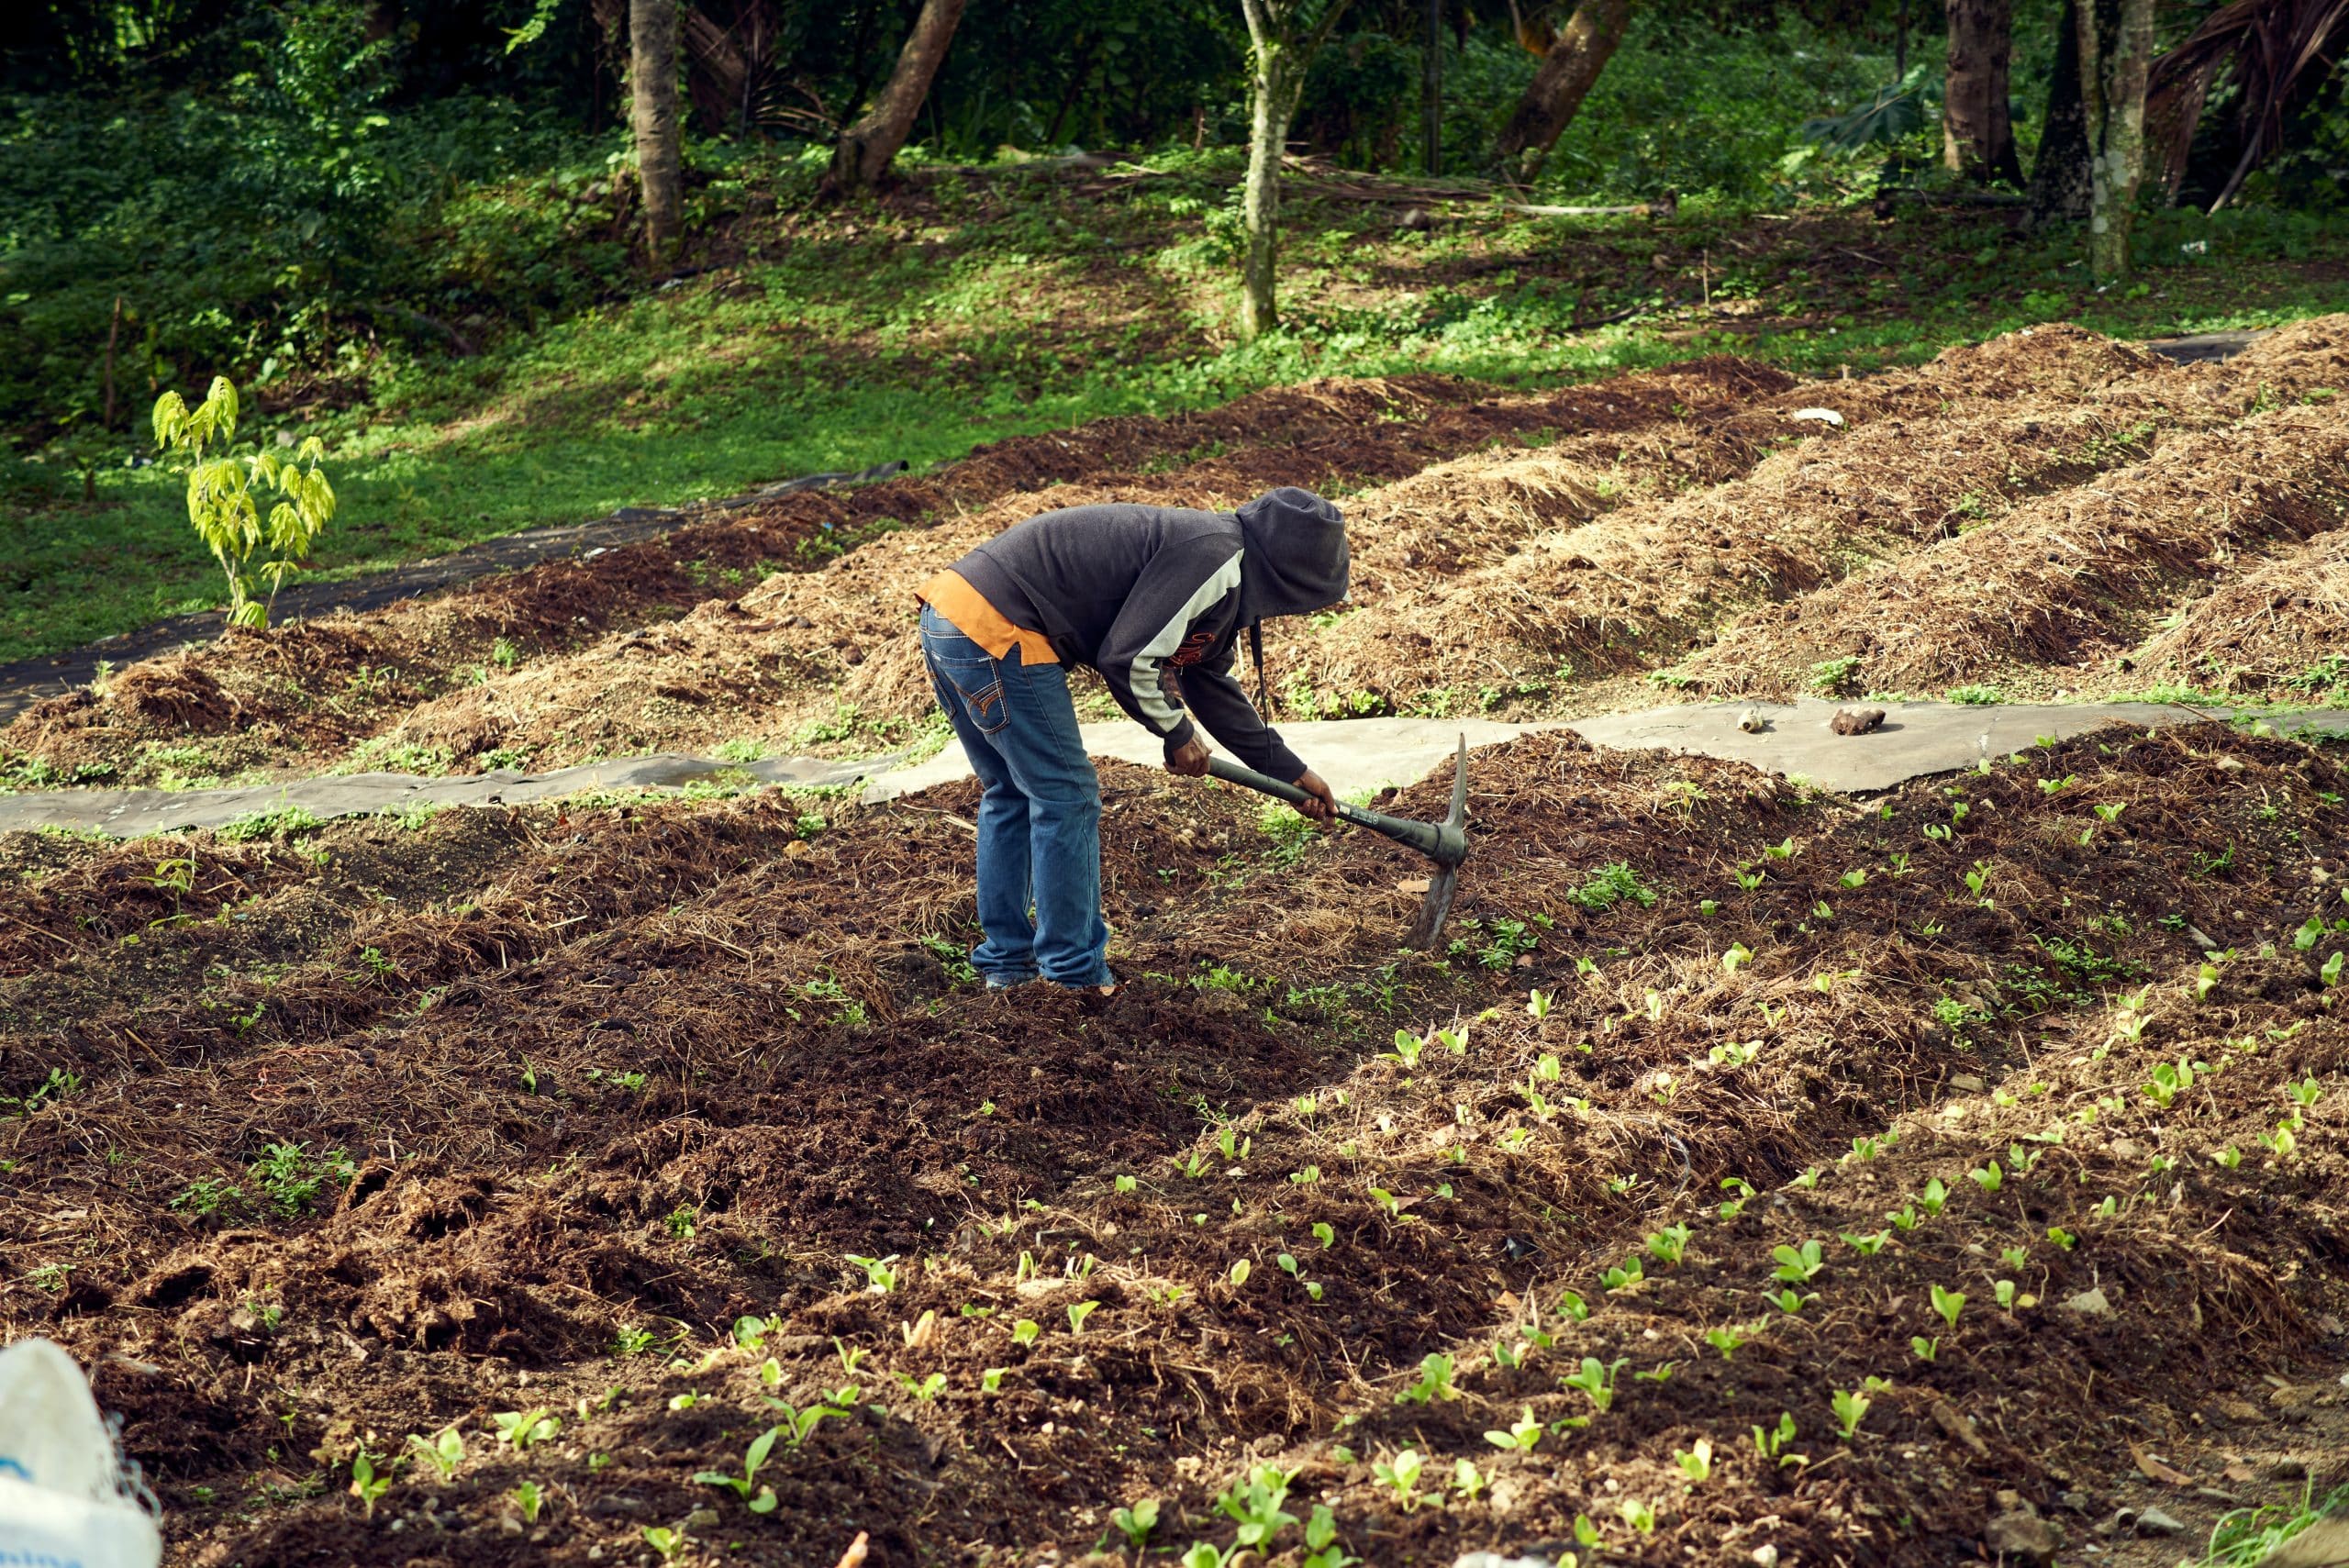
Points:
(971, 307)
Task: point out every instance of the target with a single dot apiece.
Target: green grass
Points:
(978, 308)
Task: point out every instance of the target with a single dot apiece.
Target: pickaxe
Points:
(1444, 842)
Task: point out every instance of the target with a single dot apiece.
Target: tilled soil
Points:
(2048, 512)
(589, 1117)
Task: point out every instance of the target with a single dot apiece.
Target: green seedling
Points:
(1989, 1177)
(1934, 1195)
(365, 1484)
(745, 1486)
(1797, 1265)
(2168, 1082)
(1937, 833)
(1537, 1003)
(1785, 851)
(1596, 1381)
(1771, 1442)
(1232, 1146)
(528, 1499)
(1851, 1408)
(1746, 880)
(1466, 1479)
(1025, 1330)
(1630, 1274)
(1124, 1185)
(1136, 1522)
(1255, 1502)
(1905, 1217)
(1572, 1307)
(521, 1429)
(1434, 1384)
(1738, 956)
(1523, 1435)
(1078, 1311)
(444, 1452)
(1866, 1246)
(1731, 1053)
(2014, 1257)
(1325, 1233)
(668, 1542)
(1727, 1339)
(1788, 1301)
(1696, 1461)
(2205, 982)
(1638, 1514)
(2061, 1237)
(2228, 1159)
(2305, 1092)
(1658, 1373)
(880, 1277)
(1808, 1179)
(798, 1425)
(1321, 1548)
(1949, 1304)
(991, 1379)
(1853, 878)
(1408, 1046)
(1241, 1271)
(1923, 1349)
(1402, 1473)
(2330, 972)
(1668, 1245)
(924, 1389)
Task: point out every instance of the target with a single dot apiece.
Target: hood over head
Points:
(1293, 555)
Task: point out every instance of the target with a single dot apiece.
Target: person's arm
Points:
(1185, 591)
(1223, 705)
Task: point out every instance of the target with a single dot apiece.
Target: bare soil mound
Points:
(607, 1127)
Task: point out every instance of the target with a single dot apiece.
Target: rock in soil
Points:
(2324, 1544)
(2021, 1536)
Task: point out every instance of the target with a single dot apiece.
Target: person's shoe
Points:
(997, 982)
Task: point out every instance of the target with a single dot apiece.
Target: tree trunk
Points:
(1977, 134)
(2116, 58)
(653, 86)
(1279, 53)
(1557, 89)
(1261, 201)
(867, 147)
(2059, 180)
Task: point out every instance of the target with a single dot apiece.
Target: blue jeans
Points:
(1040, 820)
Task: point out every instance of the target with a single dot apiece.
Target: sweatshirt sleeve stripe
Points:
(1149, 695)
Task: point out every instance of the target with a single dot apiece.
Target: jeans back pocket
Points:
(978, 682)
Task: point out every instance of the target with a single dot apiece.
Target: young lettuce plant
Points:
(521, 1429)
(1797, 1265)
(1136, 1522)
(444, 1452)
(1523, 1434)
(1256, 1502)
(1949, 1304)
(1434, 1384)
(758, 1498)
(1596, 1381)
(365, 1484)
(1851, 1408)
(1402, 1473)
(1696, 1461)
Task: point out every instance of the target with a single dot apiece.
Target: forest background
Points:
(417, 228)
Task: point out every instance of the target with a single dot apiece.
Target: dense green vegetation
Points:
(419, 244)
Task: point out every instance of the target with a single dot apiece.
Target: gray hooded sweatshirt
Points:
(1156, 598)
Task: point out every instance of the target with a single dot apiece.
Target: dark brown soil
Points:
(520, 1221)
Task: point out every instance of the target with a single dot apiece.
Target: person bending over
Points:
(1157, 599)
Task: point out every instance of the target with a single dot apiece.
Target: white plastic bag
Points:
(61, 1504)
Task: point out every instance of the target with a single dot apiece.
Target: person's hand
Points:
(1319, 803)
(1189, 759)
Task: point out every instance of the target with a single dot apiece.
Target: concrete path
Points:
(1917, 738)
